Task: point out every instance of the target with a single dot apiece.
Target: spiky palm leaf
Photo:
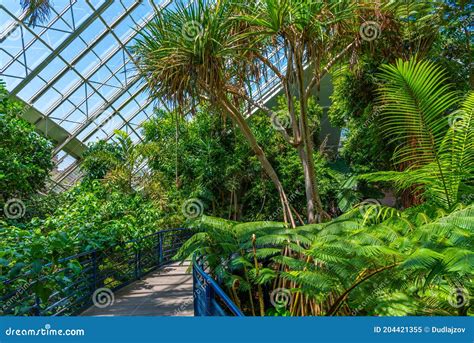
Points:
(436, 149)
(37, 11)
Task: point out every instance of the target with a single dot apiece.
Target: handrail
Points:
(68, 291)
(214, 301)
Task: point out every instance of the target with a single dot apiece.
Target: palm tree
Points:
(313, 34)
(37, 11)
(199, 51)
(435, 147)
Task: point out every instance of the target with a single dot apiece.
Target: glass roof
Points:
(77, 76)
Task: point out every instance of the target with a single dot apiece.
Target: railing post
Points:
(94, 271)
(137, 263)
(160, 247)
(37, 310)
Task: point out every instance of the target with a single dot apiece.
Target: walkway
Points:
(165, 292)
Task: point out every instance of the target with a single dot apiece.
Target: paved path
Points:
(165, 292)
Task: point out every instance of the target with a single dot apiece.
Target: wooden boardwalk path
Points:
(165, 292)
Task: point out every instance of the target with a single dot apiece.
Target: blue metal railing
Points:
(66, 287)
(209, 298)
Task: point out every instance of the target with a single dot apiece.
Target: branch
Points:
(316, 78)
(262, 107)
(270, 65)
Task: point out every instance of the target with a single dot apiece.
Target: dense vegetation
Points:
(290, 227)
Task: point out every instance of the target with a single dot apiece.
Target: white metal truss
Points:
(75, 73)
(77, 77)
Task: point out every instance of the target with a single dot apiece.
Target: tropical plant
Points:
(198, 52)
(434, 148)
(37, 11)
(331, 268)
(25, 156)
(118, 163)
(310, 35)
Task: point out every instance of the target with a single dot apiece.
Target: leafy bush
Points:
(25, 156)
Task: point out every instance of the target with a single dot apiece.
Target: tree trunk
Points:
(237, 117)
(305, 151)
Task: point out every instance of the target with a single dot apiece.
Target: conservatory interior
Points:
(236, 158)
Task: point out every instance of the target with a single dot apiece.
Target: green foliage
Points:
(37, 11)
(371, 260)
(437, 31)
(25, 156)
(437, 150)
(99, 159)
(393, 264)
(352, 108)
(206, 158)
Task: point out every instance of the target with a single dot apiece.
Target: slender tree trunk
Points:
(177, 148)
(304, 141)
(237, 117)
(297, 137)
